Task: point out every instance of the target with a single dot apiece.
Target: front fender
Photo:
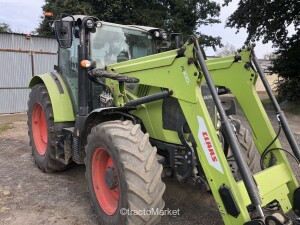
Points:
(109, 113)
(59, 95)
(101, 115)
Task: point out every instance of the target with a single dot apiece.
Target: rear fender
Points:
(59, 95)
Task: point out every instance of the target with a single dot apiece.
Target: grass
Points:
(266, 101)
(4, 128)
(295, 109)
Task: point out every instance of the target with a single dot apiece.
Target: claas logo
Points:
(209, 146)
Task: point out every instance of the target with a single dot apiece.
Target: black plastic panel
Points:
(173, 117)
(228, 201)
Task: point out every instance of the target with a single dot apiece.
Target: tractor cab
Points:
(83, 38)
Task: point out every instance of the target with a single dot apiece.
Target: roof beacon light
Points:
(48, 14)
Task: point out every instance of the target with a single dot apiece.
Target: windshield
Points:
(112, 44)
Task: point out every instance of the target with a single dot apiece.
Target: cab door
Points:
(68, 69)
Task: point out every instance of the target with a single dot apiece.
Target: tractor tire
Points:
(248, 148)
(42, 135)
(123, 174)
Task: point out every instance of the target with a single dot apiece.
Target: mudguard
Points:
(59, 95)
(101, 115)
(107, 112)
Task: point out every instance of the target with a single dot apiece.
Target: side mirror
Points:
(63, 33)
(178, 39)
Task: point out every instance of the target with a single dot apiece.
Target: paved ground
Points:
(28, 196)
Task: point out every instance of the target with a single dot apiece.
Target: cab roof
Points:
(134, 27)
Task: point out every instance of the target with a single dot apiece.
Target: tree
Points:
(57, 7)
(271, 20)
(269, 56)
(286, 64)
(5, 28)
(183, 16)
(227, 50)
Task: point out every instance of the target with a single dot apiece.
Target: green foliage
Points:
(57, 7)
(289, 89)
(269, 20)
(5, 28)
(288, 57)
(287, 66)
(183, 16)
(266, 19)
(210, 41)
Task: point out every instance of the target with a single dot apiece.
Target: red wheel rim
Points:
(103, 173)
(39, 129)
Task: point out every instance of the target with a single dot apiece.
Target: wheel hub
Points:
(105, 181)
(39, 129)
(111, 178)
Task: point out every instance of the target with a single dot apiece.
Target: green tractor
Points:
(133, 112)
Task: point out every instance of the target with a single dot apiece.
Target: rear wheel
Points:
(123, 174)
(41, 130)
(248, 149)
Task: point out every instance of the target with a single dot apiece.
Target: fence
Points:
(21, 57)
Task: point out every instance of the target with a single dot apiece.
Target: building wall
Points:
(21, 58)
(272, 79)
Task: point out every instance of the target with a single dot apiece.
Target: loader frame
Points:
(232, 197)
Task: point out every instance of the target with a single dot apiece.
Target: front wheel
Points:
(247, 147)
(123, 174)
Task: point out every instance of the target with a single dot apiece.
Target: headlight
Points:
(98, 24)
(160, 34)
(156, 34)
(164, 35)
(90, 23)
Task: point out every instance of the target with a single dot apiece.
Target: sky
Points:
(229, 34)
(23, 16)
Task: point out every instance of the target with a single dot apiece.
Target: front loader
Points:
(133, 112)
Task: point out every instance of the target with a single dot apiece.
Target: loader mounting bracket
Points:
(180, 158)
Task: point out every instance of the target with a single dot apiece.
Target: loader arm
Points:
(243, 88)
(179, 71)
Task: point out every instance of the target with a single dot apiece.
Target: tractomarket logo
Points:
(150, 212)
